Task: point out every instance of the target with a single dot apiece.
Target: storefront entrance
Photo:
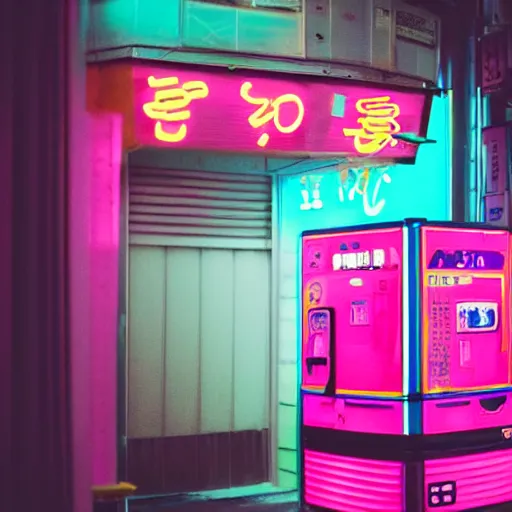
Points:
(200, 236)
(198, 330)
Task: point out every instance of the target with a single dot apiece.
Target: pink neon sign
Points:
(229, 111)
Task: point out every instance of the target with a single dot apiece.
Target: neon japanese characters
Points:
(379, 122)
(171, 105)
(216, 110)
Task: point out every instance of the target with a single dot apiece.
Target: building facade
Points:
(223, 130)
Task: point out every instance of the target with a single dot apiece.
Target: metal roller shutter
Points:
(199, 209)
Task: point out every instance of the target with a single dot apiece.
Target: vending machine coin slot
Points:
(493, 404)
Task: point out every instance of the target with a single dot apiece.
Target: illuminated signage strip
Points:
(362, 260)
(187, 107)
(464, 259)
(435, 280)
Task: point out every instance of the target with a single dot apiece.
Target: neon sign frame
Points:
(192, 108)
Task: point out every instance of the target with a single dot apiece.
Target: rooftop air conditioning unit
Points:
(384, 34)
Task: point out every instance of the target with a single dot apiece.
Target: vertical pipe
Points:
(274, 329)
(455, 47)
(466, 108)
(122, 351)
(445, 82)
(479, 117)
(449, 134)
(472, 173)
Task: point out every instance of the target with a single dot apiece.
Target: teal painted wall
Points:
(420, 190)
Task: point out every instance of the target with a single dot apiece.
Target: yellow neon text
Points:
(378, 125)
(269, 111)
(170, 105)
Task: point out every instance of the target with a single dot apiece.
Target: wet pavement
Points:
(253, 504)
(267, 503)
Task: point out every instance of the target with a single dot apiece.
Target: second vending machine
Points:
(406, 368)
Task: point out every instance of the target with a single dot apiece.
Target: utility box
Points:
(385, 34)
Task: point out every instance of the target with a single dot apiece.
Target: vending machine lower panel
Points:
(472, 481)
(445, 478)
(474, 412)
(353, 414)
(352, 484)
(386, 416)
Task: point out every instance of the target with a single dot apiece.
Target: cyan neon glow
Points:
(367, 184)
(416, 307)
(405, 328)
(448, 161)
(420, 190)
(345, 195)
(479, 158)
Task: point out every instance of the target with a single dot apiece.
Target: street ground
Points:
(270, 503)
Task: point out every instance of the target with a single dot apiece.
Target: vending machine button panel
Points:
(442, 494)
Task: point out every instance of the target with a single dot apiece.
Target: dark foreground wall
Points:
(42, 437)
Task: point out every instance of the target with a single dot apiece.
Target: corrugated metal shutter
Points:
(199, 209)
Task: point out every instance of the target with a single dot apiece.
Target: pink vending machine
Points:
(406, 368)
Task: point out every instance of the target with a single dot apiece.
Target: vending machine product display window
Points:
(406, 370)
